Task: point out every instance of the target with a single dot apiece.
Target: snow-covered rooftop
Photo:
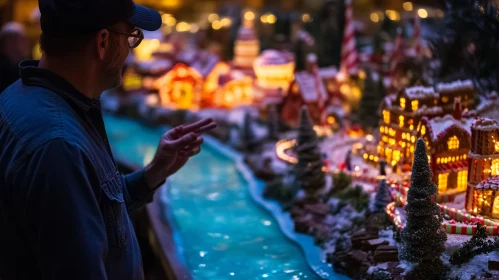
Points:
(205, 62)
(492, 183)
(456, 85)
(438, 126)
(425, 110)
(420, 92)
(485, 124)
(274, 57)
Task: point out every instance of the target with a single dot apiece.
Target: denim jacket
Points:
(64, 208)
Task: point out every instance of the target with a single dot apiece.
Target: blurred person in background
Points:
(14, 47)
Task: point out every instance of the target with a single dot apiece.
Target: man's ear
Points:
(102, 43)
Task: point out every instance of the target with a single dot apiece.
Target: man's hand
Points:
(175, 148)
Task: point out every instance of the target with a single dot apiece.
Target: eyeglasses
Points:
(134, 38)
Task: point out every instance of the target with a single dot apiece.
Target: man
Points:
(13, 48)
(64, 208)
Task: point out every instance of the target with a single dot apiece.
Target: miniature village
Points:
(389, 161)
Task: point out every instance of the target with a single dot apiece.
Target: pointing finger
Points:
(197, 125)
(206, 128)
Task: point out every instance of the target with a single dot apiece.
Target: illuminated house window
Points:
(402, 103)
(496, 146)
(462, 180)
(414, 105)
(442, 182)
(453, 143)
(494, 167)
(386, 116)
(445, 99)
(401, 121)
(423, 130)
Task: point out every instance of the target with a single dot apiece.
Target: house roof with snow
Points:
(492, 183)
(419, 92)
(485, 124)
(205, 62)
(455, 86)
(438, 127)
(311, 86)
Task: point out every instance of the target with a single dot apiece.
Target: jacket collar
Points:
(34, 76)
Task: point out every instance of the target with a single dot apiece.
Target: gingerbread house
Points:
(234, 89)
(448, 141)
(246, 46)
(482, 196)
(307, 89)
(447, 92)
(180, 88)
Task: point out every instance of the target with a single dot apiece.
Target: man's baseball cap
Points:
(61, 18)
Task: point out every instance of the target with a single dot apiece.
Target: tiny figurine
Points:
(348, 160)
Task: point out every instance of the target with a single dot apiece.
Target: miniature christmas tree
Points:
(423, 239)
(369, 103)
(308, 171)
(273, 123)
(382, 198)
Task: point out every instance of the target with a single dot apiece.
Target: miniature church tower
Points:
(247, 46)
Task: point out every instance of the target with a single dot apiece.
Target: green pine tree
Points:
(382, 198)
(369, 103)
(308, 170)
(423, 239)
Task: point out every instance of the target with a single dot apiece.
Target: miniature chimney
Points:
(311, 63)
(457, 114)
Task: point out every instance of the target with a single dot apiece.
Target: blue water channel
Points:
(224, 233)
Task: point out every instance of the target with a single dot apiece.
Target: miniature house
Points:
(482, 195)
(234, 89)
(180, 88)
(448, 141)
(275, 72)
(402, 113)
(306, 89)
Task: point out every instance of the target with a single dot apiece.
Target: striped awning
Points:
(454, 166)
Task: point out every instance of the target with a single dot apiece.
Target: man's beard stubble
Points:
(114, 70)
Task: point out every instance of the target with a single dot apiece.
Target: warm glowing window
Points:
(413, 139)
(386, 116)
(402, 103)
(438, 160)
(381, 129)
(442, 182)
(414, 105)
(496, 146)
(445, 99)
(401, 121)
(453, 143)
(411, 127)
(494, 167)
(423, 130)
(462, 180)
(132, 81)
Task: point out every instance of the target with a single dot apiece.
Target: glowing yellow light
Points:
(374, 17)
(411, 127)
(212, 17)
(453, 143)
(183, 27)
(414, 105)
(393, 15)
(305, 18)
(401, 121)
(271, 19)
(226, 22)
(263, 19)
(365, 156)
(216, 25)
(386, 116)
(422, 13)
(407, 6)
(382, 129)
(423, 130)
(369, 138)
(249, 15)
(402, 103)
(371, 157)
(170, 21)
(438, 160)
